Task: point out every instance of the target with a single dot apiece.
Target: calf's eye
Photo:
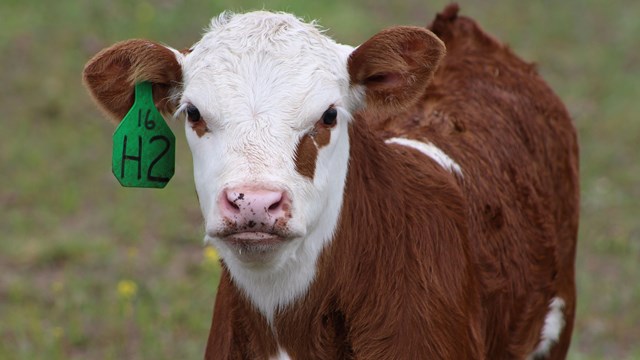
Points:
(193, 114)
(329, 117)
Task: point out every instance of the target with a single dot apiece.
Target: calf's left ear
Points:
(111, 75)
(395, 66)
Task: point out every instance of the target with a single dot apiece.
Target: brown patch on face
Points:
(306, 155)
(322, 136)
(200, 128)
(308, 147)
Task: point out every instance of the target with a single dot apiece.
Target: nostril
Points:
(232, 199)
(233, 204)
(275, 205)
(279, 205)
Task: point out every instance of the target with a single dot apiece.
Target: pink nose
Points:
(254, 209)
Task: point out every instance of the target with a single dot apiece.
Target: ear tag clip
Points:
(144, 146)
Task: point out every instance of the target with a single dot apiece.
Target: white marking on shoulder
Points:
(431, 151)
(281, 355)
(553, 325)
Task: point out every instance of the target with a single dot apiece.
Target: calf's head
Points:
(267, 101)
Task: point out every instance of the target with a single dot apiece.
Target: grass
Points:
(92, 270)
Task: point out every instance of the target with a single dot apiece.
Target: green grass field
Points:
(90, 270)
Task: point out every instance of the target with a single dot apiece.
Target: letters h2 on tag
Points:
(143, 144)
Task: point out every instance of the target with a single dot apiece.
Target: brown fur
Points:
(400, 287)
(322, 135)
(431, 266)
(306, 154)
(111, 75)
(307, 150)
(527, 205)
(200, 128)
(395, 66)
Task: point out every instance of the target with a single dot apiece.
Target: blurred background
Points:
(91, 270)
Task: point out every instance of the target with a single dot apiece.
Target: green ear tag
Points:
(144, 147)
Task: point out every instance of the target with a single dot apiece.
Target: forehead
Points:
(265, 57)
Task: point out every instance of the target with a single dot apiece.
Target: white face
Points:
(261, 91)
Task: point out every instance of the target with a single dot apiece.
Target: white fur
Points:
(553, 325)
(261, 81)
(281, 355)
(431, 151)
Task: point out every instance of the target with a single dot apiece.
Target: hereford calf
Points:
(380, 202)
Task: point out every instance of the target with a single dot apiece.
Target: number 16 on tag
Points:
(143, 144)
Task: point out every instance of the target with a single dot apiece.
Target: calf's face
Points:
(267, 101)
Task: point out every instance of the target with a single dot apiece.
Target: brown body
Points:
(455, 267)
(425, 263)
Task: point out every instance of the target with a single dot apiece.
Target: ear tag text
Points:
(144, 146)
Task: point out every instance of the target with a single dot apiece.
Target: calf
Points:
(380, 202)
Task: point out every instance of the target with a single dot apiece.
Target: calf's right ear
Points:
(111, 75)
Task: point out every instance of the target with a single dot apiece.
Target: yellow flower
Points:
(57, 287)
(57, 332)
(211, 255)
(127, 289)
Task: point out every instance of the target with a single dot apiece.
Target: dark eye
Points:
(193, 114)
(329, 117)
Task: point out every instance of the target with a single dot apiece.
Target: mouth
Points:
(254, 246)
(251, 239)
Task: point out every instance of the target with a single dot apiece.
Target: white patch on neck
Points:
(281, 355)
(431, 151)
(553, 325)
